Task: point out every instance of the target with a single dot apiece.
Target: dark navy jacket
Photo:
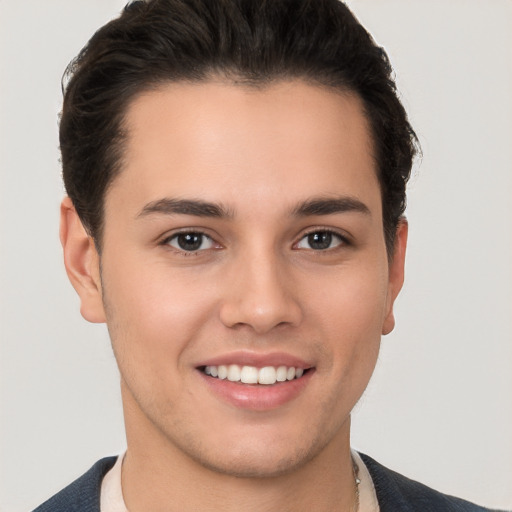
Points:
(395, 493)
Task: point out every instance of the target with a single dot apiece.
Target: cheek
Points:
(154, 315)
(351, 312)
(352, 301)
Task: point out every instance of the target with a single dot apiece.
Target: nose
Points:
(259, 293)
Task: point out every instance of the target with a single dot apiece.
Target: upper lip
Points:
(259, 360)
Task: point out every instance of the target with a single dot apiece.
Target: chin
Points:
(255, 466)
(263, 457)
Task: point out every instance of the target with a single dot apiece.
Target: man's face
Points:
(245, 230)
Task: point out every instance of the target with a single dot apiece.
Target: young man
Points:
(236, 174)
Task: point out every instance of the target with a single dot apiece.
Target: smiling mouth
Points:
(267, 375)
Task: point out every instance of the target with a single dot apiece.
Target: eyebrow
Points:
(198, 208)
(329, 206)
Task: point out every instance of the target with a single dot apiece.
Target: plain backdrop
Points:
(439, 408)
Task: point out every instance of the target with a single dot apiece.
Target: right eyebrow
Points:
(195, 207)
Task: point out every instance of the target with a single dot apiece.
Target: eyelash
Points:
(204, 237)
(343, 241)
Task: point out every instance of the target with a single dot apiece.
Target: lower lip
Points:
(257, 397)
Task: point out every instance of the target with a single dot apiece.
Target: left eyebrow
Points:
(329, 206)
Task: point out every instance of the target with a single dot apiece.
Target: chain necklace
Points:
(357, 480)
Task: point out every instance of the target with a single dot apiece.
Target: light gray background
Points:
(439, 408)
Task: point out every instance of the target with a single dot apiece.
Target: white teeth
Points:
(234, 372)
(249, 375)
(281, 373)
(267, 375)
(222, 371)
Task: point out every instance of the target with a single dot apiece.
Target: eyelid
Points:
(168, 237)
(344, 238)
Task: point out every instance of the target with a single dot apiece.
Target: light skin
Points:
(278, 187)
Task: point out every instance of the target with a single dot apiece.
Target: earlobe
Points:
(82, 262)
(396, 274)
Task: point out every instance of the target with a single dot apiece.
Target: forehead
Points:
(219, 140)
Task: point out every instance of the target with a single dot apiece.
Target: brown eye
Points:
(190, 242)
(320, 241)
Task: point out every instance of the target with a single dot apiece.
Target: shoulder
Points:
(83, 495)
(398, 493)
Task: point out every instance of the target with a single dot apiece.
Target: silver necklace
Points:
(357, 480)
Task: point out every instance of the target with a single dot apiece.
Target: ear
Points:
(396, 274)
(82, 262)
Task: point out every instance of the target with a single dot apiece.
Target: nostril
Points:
(260, 302)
